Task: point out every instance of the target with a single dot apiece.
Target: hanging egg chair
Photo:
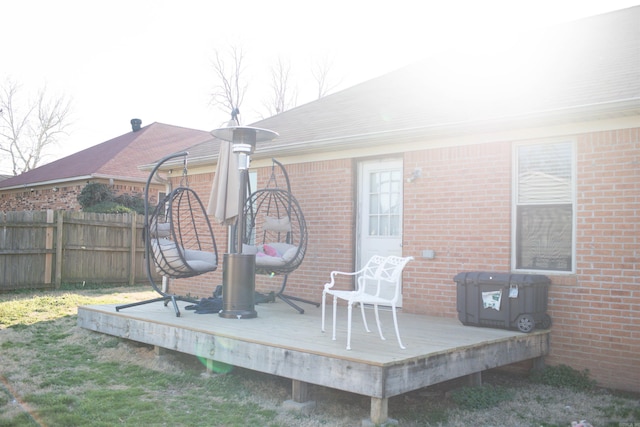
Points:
(276, 232)
(179, 240)
(180, 236)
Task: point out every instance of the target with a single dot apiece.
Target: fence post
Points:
(132, 257)
(59, 250)
(48, 246)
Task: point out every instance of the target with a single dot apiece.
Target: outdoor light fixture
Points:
(417, 173)
(238, 269)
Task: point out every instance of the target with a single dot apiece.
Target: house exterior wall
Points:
(596, 312)
(63, 196)
(461, 208)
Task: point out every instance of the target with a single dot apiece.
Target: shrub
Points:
(563, 376)
(96, 197)
(135, 203)
(94, 193)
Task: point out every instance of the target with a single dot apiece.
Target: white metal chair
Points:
(369, 290)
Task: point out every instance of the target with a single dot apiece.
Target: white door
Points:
(379, 209)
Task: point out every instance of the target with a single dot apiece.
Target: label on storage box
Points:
(492, 299)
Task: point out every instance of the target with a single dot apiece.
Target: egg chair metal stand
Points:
(179, 239)
(276, 232)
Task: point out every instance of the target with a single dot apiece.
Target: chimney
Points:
(135, 124)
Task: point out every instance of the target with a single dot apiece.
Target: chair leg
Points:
(335, 307)
(395, 323)
(324, 296)
(364, 318)
(349, 316)
(290, 298)
(375, 308)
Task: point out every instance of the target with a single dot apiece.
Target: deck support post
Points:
(160, 351)
(538, 363)
(299, 391)
(475, 379)
(379, 413)
(300, 398)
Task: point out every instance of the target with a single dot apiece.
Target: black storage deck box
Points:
(503, 300)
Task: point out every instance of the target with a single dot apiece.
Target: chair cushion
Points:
(281, 225)
(167, 254)
(281, 248)
(160, 229)
(269, 261)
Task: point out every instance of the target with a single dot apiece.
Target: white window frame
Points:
(514, 206)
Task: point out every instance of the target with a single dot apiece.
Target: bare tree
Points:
(29, 128)
(229, 92)
(320, 72)
(284, 96)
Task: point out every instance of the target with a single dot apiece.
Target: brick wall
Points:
(60, 197)
(461, 209)
(596, 313)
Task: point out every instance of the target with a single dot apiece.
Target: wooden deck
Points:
(282, 342)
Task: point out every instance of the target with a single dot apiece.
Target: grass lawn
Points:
(53, 373)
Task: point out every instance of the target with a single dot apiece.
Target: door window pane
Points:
(384, 203)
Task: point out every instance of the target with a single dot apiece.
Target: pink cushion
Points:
(269, 250)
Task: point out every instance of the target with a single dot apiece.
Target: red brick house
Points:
(116, 162)
(527, 161)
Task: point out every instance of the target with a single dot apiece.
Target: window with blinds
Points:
(544, 195)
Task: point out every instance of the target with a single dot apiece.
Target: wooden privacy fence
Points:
(42, 249)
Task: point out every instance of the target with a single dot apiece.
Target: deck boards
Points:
(282, 342)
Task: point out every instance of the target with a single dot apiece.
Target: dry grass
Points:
(530, 405)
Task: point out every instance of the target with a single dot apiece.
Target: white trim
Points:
(607, 116)
(392, 145)
(73, 181)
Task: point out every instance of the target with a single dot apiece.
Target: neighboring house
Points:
(524, 161)
(116, 162)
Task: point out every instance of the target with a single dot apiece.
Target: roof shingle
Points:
(118, 157)
(587, 62)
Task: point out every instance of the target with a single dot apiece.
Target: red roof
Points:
(118, 158)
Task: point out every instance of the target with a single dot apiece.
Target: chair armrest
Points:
(345, 273)
(333, 277)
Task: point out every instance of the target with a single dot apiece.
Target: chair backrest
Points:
(380, 270)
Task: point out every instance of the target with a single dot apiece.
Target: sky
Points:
(153, 59)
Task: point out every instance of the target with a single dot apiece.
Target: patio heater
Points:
(238, 269)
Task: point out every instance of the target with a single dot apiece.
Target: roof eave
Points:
(73, 179)
(45, 183)
(588, 112)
